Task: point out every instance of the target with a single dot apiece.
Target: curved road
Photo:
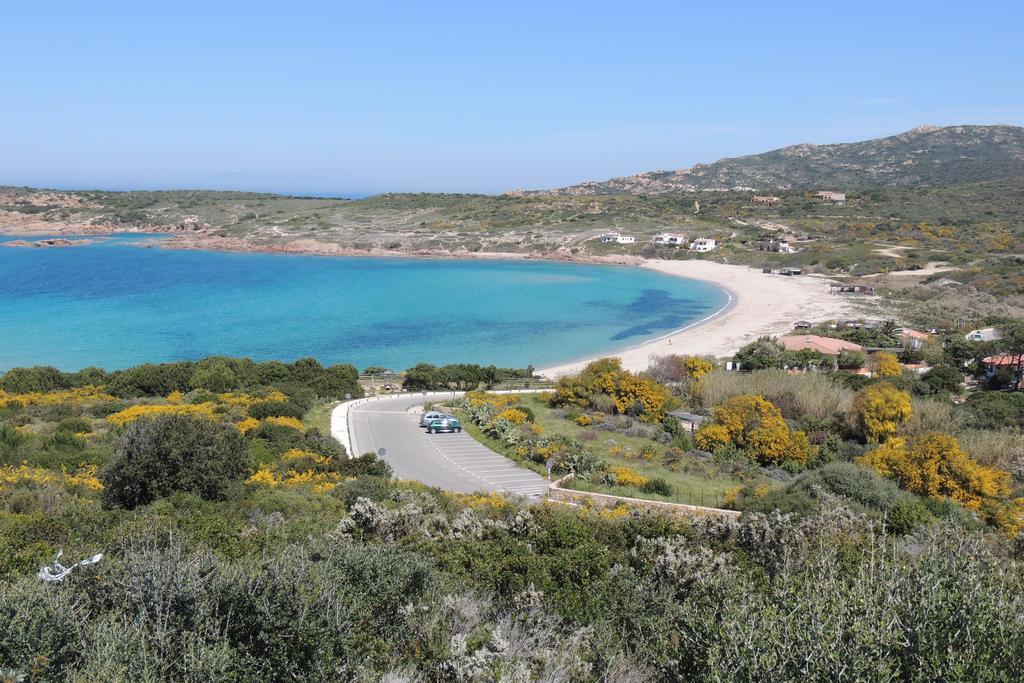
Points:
(454, 462)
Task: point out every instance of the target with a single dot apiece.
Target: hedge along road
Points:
(453, 462)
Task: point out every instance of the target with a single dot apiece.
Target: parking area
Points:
(389, 426)
(496, 471)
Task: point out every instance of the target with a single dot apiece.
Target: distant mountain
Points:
(928, 155)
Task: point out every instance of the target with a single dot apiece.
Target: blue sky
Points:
(335, 97)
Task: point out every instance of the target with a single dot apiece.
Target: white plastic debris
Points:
(58, 572)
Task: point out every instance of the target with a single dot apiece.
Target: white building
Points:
(616, 238)
(775, 246)
(703, 244)
(669, 238)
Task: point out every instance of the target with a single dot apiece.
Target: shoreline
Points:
(759, 304)
(185, 240)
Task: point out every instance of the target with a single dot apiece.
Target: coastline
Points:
(761, 304)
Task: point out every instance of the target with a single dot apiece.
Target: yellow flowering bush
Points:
(627, 477)
(880, 409)
(480, 500)
(175, 397)
(291, 422)
(479, 398)
(753, 423)
(296, 458)
(711, 436)
(513, 415)
(247, 425)
(1007, 516)
(629, 393)
(934, 465)
(319, 482)
(264, 476)
(697, 367)
(887, 365)
(132, 413)
(83, 479)
(618, 512)
(78, 396)
(245, 400)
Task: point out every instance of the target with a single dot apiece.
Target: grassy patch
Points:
(319, 417)
(692, 480)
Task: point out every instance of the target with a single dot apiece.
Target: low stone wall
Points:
(602, 500)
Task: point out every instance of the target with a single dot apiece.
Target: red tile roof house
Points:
(915, 339)
(812, 342)
(1012, 361)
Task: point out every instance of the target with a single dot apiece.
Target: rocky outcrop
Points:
(47, 243)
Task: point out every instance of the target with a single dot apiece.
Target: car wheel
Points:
(458, 429)
(429, 430)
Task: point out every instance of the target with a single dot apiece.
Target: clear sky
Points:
(355, 98)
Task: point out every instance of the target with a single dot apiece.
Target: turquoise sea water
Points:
(112, 304)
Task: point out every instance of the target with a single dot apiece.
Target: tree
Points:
(887, 365)
(762, 354)
(155, 457)
(420, 377)
(943, 379)
(889, 328)
(934, 465)
(852, 360)
(994, 410)
(29, 380)
(336, 381)
(216, 377)
(1012, 344)
(151, 380)
(880, 409)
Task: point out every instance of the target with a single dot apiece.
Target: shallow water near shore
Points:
(112, 304)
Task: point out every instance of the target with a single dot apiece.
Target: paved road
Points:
(454, 462)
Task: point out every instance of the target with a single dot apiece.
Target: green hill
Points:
(924, 156)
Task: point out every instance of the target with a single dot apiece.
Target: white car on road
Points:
(431, 415)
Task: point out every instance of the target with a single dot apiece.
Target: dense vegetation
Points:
(240, 543)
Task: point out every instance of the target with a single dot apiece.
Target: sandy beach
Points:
(761, 304)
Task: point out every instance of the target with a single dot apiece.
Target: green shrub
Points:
(29, 380)
(377, 489)
(75, 425)
(276, 409)
(155, 457)
(907, 514)
(62, 440)
(993, 410)
(366, 465)
(657, 485)
(40, 628)
(530, 417)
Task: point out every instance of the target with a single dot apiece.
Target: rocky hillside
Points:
(928, 155)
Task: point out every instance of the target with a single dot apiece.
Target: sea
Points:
(122, 300)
